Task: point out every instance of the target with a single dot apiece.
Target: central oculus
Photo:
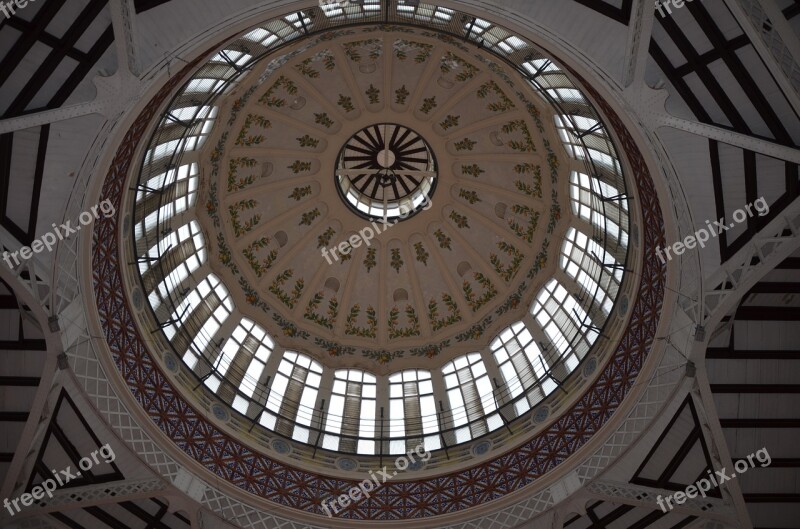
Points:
(386, 171)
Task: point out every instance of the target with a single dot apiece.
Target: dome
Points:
(381, 210)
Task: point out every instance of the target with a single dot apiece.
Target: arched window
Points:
(585, 260)
(184, 250)
(173, 192)
(587, 203)
(564, 321)
(241, 362)
(424, 12)
(412, 409)
(293, 395)
(471, 397)
(522, 365)
(352, 412)
(198, 317)
(586, 136)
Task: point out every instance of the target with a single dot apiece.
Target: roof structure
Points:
(513, 264)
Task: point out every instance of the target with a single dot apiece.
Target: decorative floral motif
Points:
(473, 170)
(325, 239)
(382, 356)
(246, 140)
(511, 303)
(370, 261)
(524, 233)
(290, 329)
(308, 141)
(327, 321)
(403, 47)
(333, 348)
(465, 145)
(309, 217)
(323, 119)
(305, 69)
(373, 94)
(212, 206)
(422, 255)
(235, 209)
(413, 323)
(298, 193)
(469, 196)
(327, 58)
(273, 101)
(353, 49)
(507, 272)
(460, 220)
(489, 292)
(260, 267)
(444, 240)
(555, 212)
(349, 255)
(431, 351)
(520, 125)
(533, 112)
(476, 331)
(541, 260)
(346, 102)
(216, 154)
(428, 104)
(397, 261)
(449, 122)
(290, 300)
(452, 62)
(225, 254)
(233, 171)
(401, 95)
(552, 162)
(300, 167)
(534, 190)
(370, 331)
(452, 318)
(499, 106)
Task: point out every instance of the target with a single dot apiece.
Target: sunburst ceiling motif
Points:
(387, 172)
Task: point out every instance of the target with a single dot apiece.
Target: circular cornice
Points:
(266, 477)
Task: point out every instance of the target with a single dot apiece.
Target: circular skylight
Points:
(386, 171)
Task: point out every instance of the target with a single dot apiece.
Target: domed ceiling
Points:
(378, 238)
(310, 175)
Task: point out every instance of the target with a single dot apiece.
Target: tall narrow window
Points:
(563, 320)
(352, 413)
(471, 397)
(292, 396)
(586, 261)
(523, 367)
(587, 203)
(412, 410)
